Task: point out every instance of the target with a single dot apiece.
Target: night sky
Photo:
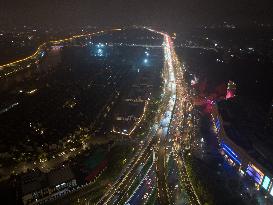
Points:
(172, 13)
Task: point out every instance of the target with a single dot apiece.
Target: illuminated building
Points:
(244, 140)
(231, 89)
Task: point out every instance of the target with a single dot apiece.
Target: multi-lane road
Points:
(160, 144)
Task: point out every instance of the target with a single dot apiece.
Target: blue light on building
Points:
(217, 124)
(257, 175)
(230, 153)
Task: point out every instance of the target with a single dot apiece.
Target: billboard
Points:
(266, 182)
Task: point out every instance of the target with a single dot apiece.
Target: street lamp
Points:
(145, 60)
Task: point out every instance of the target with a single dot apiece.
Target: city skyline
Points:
(136, 102)
(177, 14)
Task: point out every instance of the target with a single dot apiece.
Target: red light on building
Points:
(231, 89)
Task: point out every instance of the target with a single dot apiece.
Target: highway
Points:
(157, 174)
(171, 120)
(144, 189)
(183, 118)
(128, 176)
(163, 136)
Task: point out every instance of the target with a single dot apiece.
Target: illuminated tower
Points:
(231, 88)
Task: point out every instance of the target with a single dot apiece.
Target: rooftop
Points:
(59, 176)
(245, 120)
